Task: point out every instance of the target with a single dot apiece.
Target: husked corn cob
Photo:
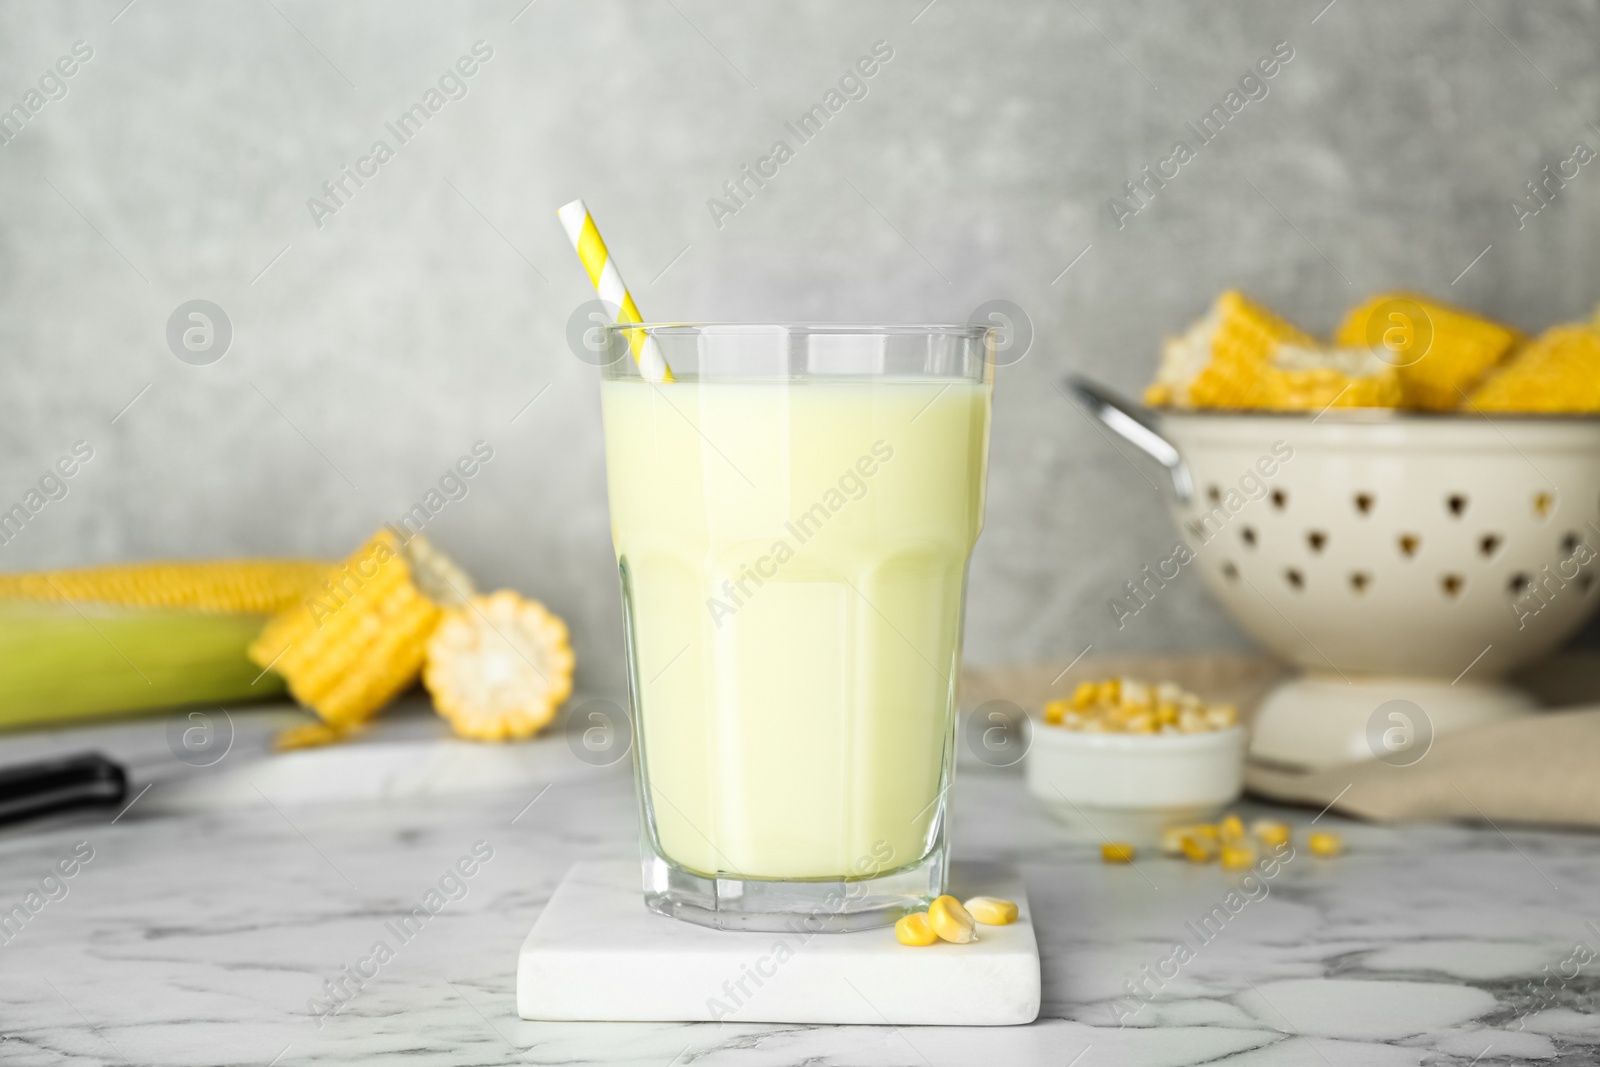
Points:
(498, 667)
(1557, 372)
(132, 637)
(358, 640)
(1440, 351)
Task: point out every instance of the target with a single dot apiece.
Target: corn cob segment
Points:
(1310, 379)
(1240, 355)
(124, 639)
(1440, 351)
(499, 667)
(1557, 372)
(1245, 338)
(358, 640)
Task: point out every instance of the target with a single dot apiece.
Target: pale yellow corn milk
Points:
(793, 557)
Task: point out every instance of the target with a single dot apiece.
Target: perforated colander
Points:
(1385, 552)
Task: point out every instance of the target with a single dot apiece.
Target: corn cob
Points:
(499, 667)
(1244, 338)
(129, 638)
(1557, 372)
(358, 640)
(1440, 351)
(1310, 379)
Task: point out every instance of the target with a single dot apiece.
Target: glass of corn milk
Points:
(793, 513)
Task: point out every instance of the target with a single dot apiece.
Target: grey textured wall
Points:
(429, 310)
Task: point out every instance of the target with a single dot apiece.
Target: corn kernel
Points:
(1110, 691)
(1222, 716)
(1199, 849)
(1172, 840)
(1237, 857)
(914, 930)
(1055, 712)
(1116, 852)
(1166, 713)
(1231, 828)
(992, 911)
(1133, 694)
(950, 920)
(1270, 832)
(1141, 724)
(1084, 695)
(1325, 845)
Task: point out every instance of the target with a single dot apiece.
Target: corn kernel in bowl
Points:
(1129, 706)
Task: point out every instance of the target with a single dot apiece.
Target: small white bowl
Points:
(1132, 786)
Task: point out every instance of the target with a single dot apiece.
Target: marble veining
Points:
(208, 933)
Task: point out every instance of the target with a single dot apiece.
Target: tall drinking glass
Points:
(793, 514)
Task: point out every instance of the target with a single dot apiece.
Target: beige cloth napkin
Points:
(1543, 769)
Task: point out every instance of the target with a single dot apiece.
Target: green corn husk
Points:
(63, 661)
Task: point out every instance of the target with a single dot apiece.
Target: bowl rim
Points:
(1374, 416)
(1083, 740)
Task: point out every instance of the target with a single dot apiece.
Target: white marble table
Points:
(208, 919)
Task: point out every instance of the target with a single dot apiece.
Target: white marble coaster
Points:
(596, 953)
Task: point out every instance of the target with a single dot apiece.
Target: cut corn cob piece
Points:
(1240, 355)
(1440, 351)
(1310, 379)
(1557, 372)
(358, 640)
(499, 667)
(1238, 339)
(134, 637)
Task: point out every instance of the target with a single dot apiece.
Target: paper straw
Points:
(607, 281)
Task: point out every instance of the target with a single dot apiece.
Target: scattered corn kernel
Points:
(1126, 705)
(1231, 828)
(1172, 840)
(1237, 857)
(1198, 848)
(992, 911)
(1325, 845)
(951, 921)
(914, 930)
(1270, 832)
(1116, 852)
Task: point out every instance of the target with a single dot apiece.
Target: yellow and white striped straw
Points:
(608, 283)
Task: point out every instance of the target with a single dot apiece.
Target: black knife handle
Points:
(28, 790)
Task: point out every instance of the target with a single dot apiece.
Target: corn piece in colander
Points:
(1218, 360)
(1439, 350)
(1310, 379)
(1558, 371)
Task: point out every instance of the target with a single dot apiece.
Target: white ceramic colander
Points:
(1391, 556)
